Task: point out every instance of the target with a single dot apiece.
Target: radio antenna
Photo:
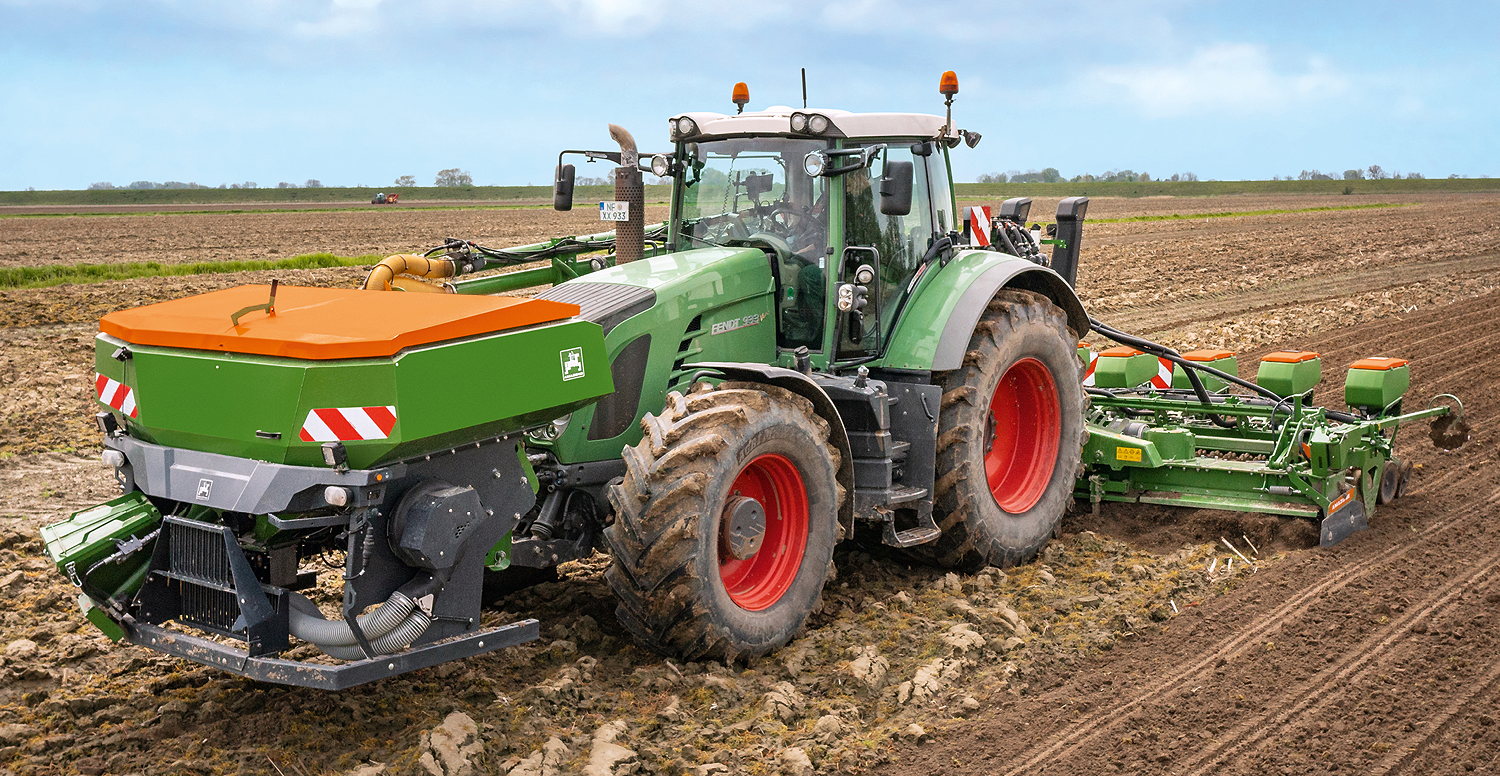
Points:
(804, 88)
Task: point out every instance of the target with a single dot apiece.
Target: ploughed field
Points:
(1117, 651)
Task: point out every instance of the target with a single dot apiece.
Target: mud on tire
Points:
(1024, 339)
(680, 589)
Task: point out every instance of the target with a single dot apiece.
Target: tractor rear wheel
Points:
(1010, 436)
(725, 522)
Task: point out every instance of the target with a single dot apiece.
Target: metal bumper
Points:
(234, 484)
(327, 677)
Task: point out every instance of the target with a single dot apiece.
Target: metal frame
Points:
(297, 673)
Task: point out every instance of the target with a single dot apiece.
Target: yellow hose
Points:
(383, 274)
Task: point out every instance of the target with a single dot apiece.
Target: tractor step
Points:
(903, 494)
(911, 537)
(926, 528)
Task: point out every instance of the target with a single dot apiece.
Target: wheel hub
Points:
(744, 527)
(1022, 435)
(763, 528)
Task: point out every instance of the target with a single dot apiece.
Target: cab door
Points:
(882, 253)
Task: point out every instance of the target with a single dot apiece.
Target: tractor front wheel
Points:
(1010, 436)
(725, 522)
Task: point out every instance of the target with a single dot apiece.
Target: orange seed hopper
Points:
(324, 323)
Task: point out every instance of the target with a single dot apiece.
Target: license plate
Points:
(614, 211)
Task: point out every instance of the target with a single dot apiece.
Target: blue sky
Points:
(357, 92)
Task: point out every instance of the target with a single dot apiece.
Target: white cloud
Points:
(345, 19)
(1235, 78)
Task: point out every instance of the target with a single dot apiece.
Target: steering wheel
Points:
(767, 241)
(790, 219)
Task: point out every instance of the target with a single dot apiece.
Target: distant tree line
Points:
(452, 176)
(1372, 173)
(1051, 175)
(312, 183)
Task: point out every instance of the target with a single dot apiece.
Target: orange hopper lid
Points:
(1290, 356)
(1119, 351)
(325, 323)
(1380, 363)
(1208, 355)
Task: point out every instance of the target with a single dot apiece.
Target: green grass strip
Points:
(60, 274)
(255, 211)
(1241, 213)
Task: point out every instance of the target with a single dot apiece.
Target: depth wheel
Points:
(725, 523)
(1392, 481)
(1010, 436)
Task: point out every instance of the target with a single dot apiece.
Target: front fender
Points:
(934, 329)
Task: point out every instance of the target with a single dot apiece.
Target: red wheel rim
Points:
(1025, 427)
(759, 581)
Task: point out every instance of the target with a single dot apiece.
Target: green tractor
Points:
(818, 345)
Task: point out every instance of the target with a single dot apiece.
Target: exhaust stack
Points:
(1070, 215)
(630, 234)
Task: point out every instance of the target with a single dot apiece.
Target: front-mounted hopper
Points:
(384, 428)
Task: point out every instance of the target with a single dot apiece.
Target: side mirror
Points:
(562, 188)
(895, 189)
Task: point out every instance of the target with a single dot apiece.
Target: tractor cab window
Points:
(754, 192)
(892, 245)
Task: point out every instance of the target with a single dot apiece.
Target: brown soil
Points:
(1375, 656)
(405, 204)
(172, 239)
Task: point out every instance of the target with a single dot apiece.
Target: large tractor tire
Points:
(1010, 436)
(725, 522)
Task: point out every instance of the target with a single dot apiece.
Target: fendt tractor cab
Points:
(323, 487)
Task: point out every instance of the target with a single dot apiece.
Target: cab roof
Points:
(776, 120)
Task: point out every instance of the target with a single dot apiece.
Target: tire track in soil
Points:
(1088, 730)
(1246, 301)
(1413, 747)
(1312, 695)
(1409, 539)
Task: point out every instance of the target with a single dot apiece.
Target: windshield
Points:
(754, 188)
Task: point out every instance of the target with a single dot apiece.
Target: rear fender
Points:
(933, 331)
(803, 386)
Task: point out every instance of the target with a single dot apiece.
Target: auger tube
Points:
(398, 639)
(309, 624)
(382, 274)
(395, 615)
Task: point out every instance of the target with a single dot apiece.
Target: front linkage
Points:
(231, 569)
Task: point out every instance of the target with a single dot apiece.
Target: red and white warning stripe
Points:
(348, 424)
(1088, 374)
(1163, 378)
(979, 225)
(116, 394)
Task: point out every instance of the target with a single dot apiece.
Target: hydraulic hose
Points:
(1191, 367)
(385, 272)
(1169, 354)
